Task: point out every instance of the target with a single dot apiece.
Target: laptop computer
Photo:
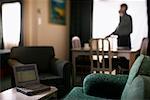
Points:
(27, 80)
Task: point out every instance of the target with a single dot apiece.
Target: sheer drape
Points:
(81, 20)
(11, 19)
(11, 33)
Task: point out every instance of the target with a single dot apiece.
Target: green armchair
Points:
(52, 71)
(104, 85)
(134, 86)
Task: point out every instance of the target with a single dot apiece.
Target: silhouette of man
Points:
(124, 28)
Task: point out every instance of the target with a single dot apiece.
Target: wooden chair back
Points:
(100, 54)
(76, 43)
(144, 46)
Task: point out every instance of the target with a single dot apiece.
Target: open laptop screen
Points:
(26, 74)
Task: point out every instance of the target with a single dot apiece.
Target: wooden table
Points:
(12, 94)
(129, 54)
(4, 51)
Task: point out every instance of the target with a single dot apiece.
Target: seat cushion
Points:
(53, 80)
(50, 79)
(77, 94)
(139, 89)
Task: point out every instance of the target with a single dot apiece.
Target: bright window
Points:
(11, 24)
(106, 19)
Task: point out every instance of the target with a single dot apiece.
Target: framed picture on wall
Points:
(57, 12)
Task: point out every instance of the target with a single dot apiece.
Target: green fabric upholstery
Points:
(77, 94)
(145, 67)
(133, 73)
(104, 85)
(139, 89)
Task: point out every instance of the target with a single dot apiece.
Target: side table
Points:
(12, 94)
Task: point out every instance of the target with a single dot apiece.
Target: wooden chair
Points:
(144, 46)
(100, 55)
(76, 43)
(82, 61)
(143, 50)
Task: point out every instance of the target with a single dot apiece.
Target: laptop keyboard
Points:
(34, 87)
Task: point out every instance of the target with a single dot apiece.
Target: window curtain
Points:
(148, 11)
(81, 20)
(1, 27)
(1, 35)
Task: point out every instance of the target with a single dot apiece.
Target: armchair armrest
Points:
(104, 85)
(13, 62)
(58, 66)
(64, 69)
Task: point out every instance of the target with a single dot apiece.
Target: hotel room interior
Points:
(66, 41)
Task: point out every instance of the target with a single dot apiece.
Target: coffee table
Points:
(12, 94)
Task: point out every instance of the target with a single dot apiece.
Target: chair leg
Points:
(110, 72)
(119, 70)
(103, 72)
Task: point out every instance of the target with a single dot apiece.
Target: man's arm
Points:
(109, 35)
(113, 33)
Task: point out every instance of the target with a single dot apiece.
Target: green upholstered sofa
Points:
(135, 86)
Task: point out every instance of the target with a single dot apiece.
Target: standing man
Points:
(124, 28)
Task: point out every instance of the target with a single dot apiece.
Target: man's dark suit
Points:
(123, 31)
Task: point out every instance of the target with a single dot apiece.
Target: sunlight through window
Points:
(11, 23)
(106, 19)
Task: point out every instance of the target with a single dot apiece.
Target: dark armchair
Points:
(51, 70)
